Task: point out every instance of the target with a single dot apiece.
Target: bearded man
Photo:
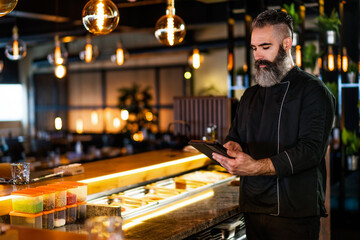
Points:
(278, 139)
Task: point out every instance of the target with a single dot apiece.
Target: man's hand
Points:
(243, 164)
(233, 146)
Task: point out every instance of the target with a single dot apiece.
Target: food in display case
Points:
(71, 213)
(162, 192)
(60, 217)
(60, 194)
(48, 219)
(27, 201)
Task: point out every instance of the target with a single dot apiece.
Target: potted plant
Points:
(330, 24)
(351, 73)
(352, 145)
(310, 57)
(290, 9)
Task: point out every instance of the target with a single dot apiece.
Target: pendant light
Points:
(60, 55)
(16, 48)
(60, 71)
(6, 6)
(345, 60)
(58, 123)
(100, 16)
(331, 60)
(170, 29)
(90, 52)
(195, 59)
(120, 55)
(1, 65)
(298, 55)
(94, 118)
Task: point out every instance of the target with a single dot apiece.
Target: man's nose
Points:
(258, 56)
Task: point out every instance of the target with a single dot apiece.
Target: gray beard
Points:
(271, 75)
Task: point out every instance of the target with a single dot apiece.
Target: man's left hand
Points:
(243, 164)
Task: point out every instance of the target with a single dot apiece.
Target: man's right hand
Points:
(233, 146)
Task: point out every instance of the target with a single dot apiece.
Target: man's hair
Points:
(275, 18)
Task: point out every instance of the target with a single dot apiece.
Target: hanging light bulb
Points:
(298, 55)
(58, 123)
(94, 118)
(90, 52)
(319, 62)
(60, 54)
(1, 65)
(119, 57)
(345, 61)
(170, 29)
(195, 59)
(60, 71)
(116, 122)
(100, 16)
(79, 126)
(124, 114)
(331, 60)
(16, 48)
(6, 6)
(339, 62)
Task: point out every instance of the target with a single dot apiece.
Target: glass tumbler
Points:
(20, 173)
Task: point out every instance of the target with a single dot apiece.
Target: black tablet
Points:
(208, 147)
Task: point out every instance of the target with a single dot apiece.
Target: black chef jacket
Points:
(290, 123)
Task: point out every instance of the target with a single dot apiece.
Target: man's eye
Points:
(265, 48)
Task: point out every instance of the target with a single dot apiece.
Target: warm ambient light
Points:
(6, 6)
(331, 60)
(170, 29)
(116, 122)
(319, 62)
(119, 56)
(94, 118)
(100, 16)
(167, 209)
(124, 114)
(149, 116)
(60, 71)
(187, 75)
(144, 169)
(58, 123)
(196, 58)
(16, 48)
(79, 126)
(90, 52)
(345, 61)
(298, 55)
(138, 137)
(60, 55)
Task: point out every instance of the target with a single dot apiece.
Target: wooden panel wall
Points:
(199, 113)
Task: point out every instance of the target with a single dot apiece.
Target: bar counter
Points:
(178, 220)
(106, 175)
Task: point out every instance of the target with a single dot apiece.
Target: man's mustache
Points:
(262, 62)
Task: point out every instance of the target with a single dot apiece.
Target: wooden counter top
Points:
(120, 172)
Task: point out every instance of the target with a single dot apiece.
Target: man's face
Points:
(264, 44)
(270, 57)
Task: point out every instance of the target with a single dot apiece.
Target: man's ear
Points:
(287, 43)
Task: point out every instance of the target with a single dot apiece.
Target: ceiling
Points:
(39, 20)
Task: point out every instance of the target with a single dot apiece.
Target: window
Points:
(11, 102)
